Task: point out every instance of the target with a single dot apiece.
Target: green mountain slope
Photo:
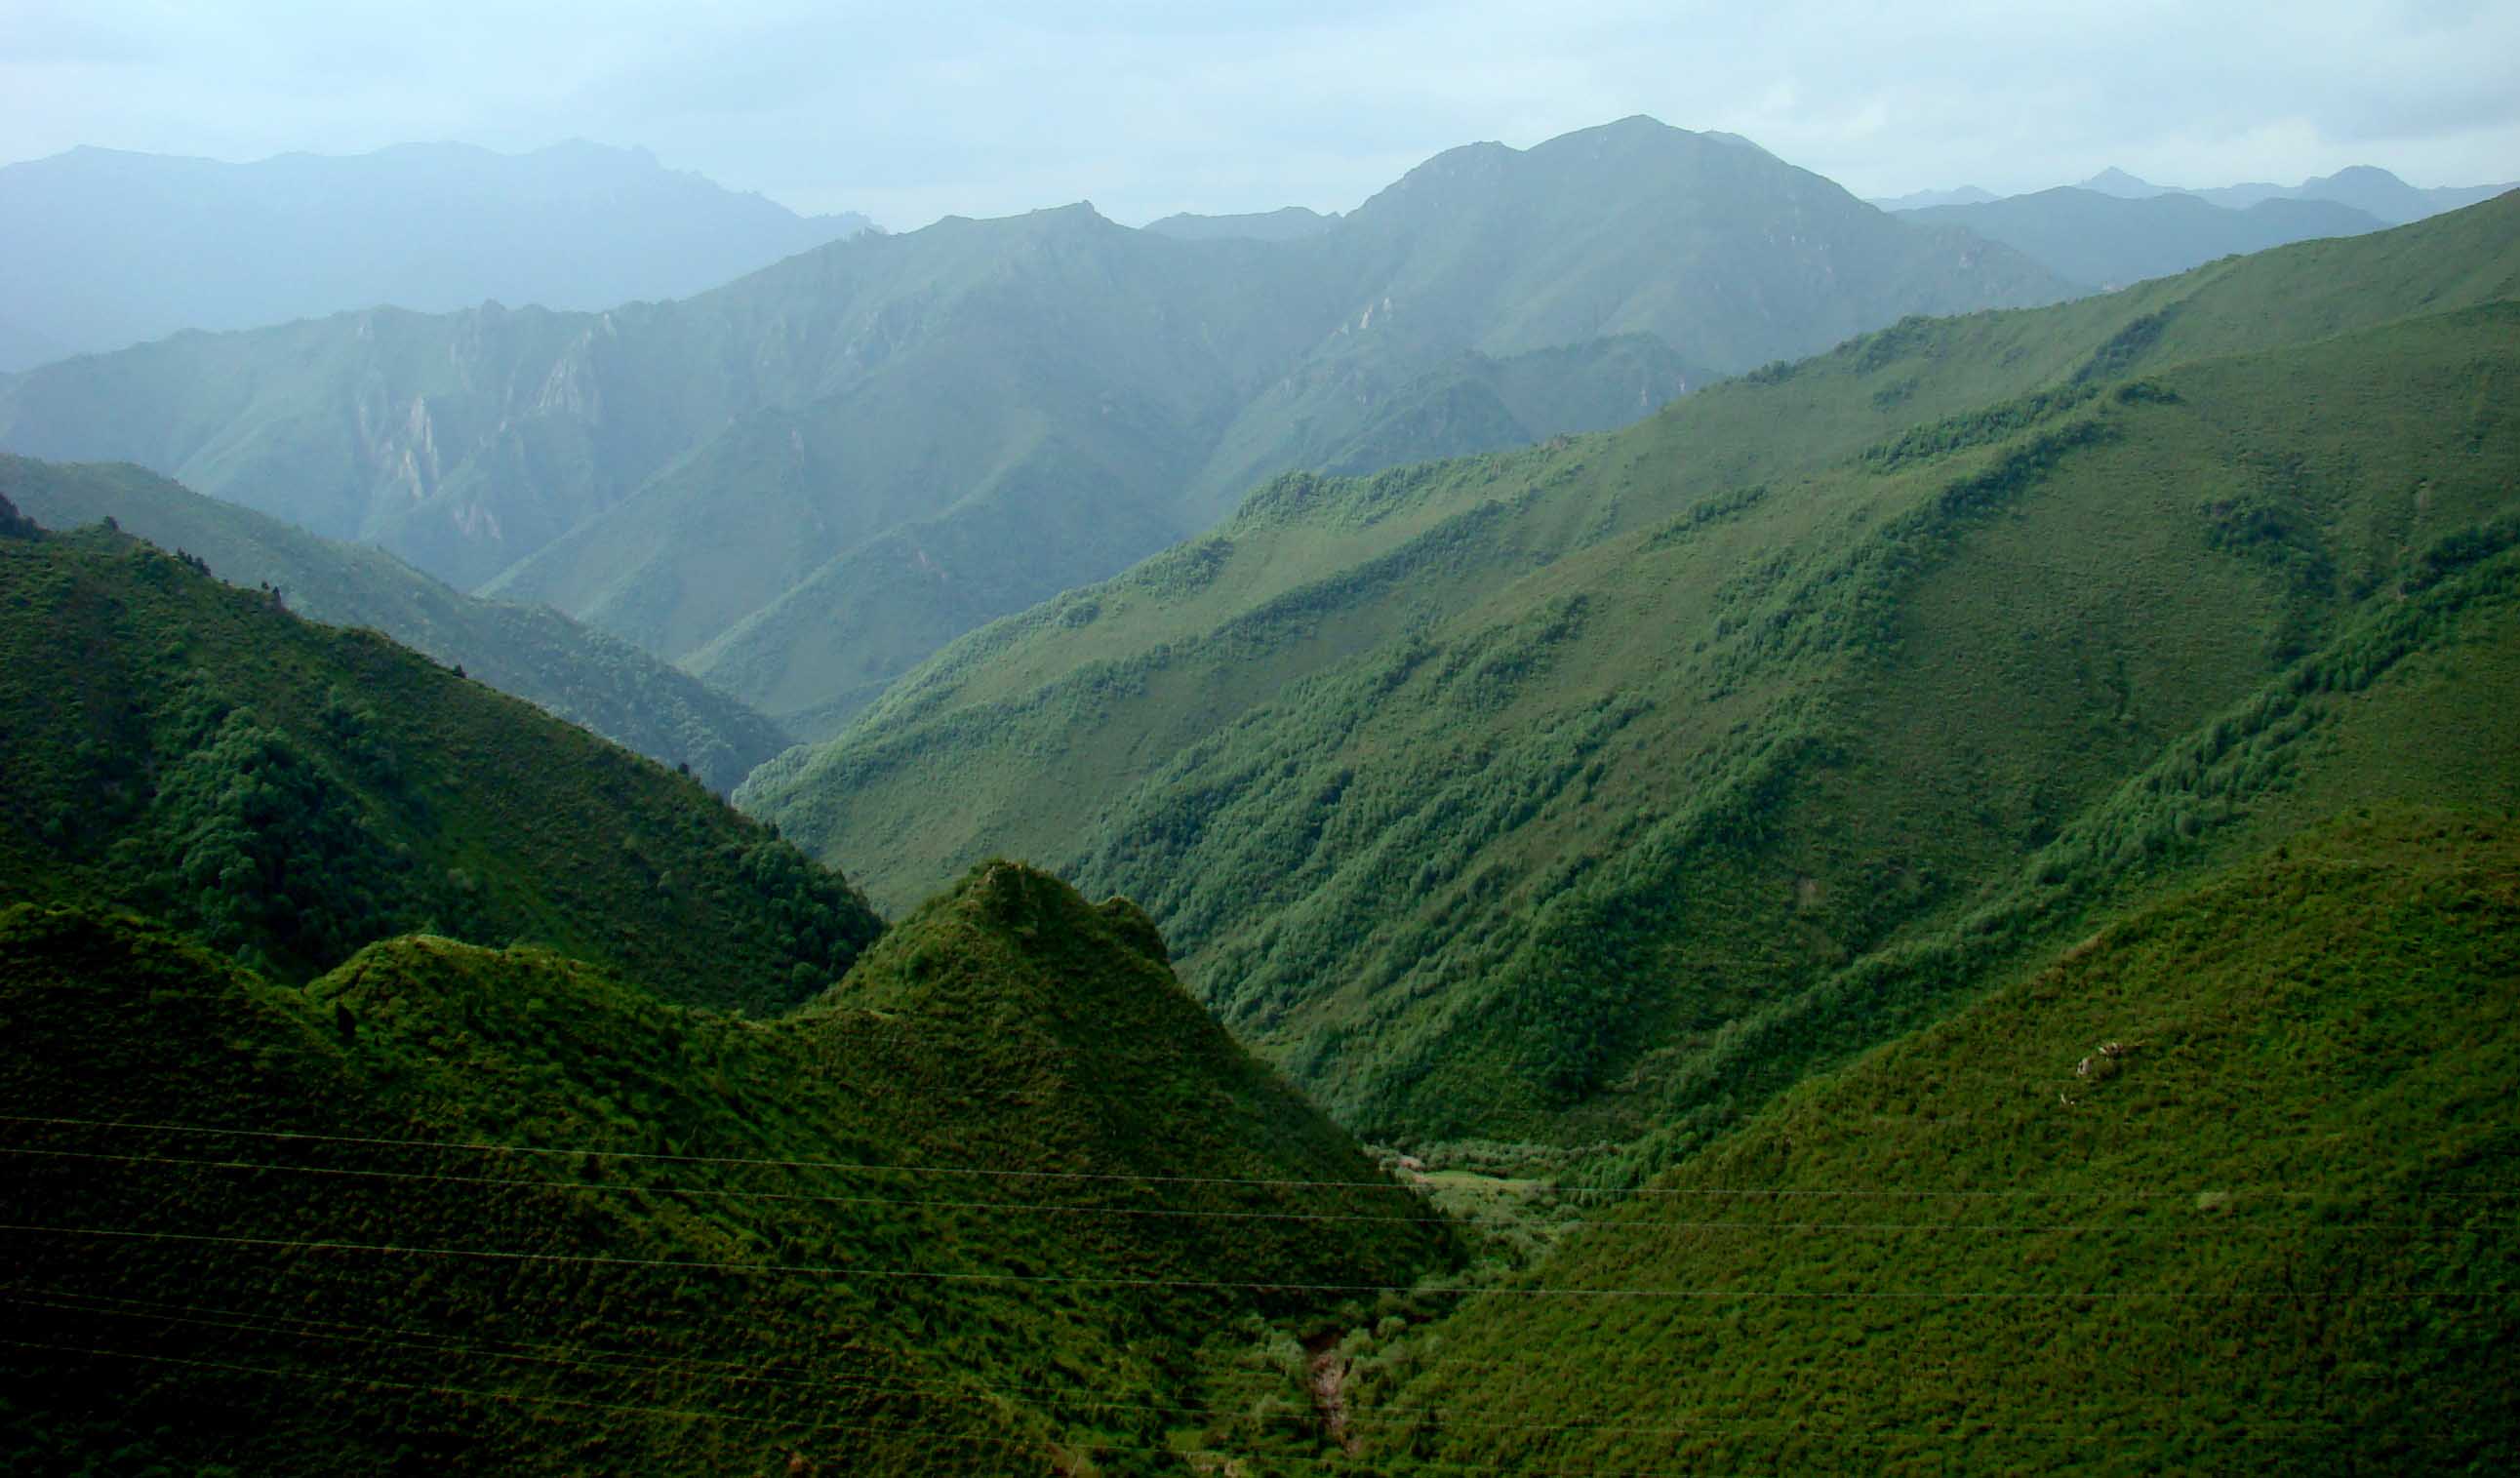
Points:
(584, 676)
(987, 1205)
(1501, 798)
(2224, 1187)
(292, 791)
(2111, 240)
(896, 428)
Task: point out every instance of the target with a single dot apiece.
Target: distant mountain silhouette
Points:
(103, 249)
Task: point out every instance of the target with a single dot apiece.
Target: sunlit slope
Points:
(2226, 1187)
(584, 676)
(1510, 857)
(977, 1210)
(1043, 718)
(293, 790)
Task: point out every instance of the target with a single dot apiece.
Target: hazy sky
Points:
(908, 111)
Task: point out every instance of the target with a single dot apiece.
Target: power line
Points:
(1092, 1280)
(1045, 1449)
(1445, 1417)
(1576, 1192)
(1633, 1224)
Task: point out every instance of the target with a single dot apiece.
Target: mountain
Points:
(2114, 240)
(1922, 200)
(2365, 188)
(893, 438)
(2216, 1190)
(1292, 223)
(105, 248)
(2117, 184)
(290, 791)
(586, 677)
(1521, 798)
(2379, 193)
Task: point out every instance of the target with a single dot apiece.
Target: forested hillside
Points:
(1005, 1200)
(584, 676)
(290, 791)
(1514, 800)
(803, 482)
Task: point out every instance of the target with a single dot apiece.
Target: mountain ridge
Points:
(583, 676)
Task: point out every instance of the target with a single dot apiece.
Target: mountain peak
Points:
(2361, 174)
(2117, 182)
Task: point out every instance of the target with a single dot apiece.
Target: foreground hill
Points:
(1006, 1200)
(105, 248)
(1517, 798)
(801, 483)
(540, 655)
(290, 791)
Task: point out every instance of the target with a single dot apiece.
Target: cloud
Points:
(1146, 107)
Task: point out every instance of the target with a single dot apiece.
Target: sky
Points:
(908, 111)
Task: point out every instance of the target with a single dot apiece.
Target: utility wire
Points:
(846, 1270)
(1632, 1224)
(1576, 1192)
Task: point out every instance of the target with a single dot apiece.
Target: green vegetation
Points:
(1524, 799)
(986, 1205)
(2226, 1187)
(584, 676)
(303, 1182)
(293, 791)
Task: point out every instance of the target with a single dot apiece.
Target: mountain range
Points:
(103, 249)
(2366, 187)
(799, 484)
(1508, 798)
(2109, 241)
(1951, 901)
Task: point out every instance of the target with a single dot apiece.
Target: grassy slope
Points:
(803, 1308)
(2271, 1231)
(1046, 715)
(297, 791)
(1651, 764)
(584, 676)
